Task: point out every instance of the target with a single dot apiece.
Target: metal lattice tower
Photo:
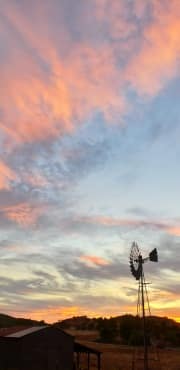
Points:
(136, 266)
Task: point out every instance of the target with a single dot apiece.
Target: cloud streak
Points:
(94, 260)
(122, 223)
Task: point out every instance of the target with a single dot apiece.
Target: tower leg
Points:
(144, 322)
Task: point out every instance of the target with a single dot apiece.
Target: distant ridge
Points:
(7, 321)
(86, 323)
(126, 329)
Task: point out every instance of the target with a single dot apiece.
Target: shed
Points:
(37, 348)
(83, 349)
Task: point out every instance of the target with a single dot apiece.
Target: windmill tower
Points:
(137, 270)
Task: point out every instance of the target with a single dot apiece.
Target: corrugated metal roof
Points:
(22, 333)
(84, 348)
(12, 329)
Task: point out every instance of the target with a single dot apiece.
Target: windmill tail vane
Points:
(153, 255)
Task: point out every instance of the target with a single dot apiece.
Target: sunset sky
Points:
(89, 155)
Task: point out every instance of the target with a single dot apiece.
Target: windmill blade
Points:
(135, 260)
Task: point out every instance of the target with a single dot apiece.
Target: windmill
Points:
(136, 267)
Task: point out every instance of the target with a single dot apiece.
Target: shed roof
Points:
(22, 333)
(83, 348)
(12, 329)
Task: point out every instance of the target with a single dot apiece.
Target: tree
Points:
(108, 330)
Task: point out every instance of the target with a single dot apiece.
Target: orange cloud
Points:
(53, 314)
(99, 261)
(157, 60)
(6, 175)
(174, 230)
(49, 108)
(81, 78)
(23, 214)
(37, 105)
(165, 303)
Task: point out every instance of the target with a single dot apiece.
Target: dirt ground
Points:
(118, 357)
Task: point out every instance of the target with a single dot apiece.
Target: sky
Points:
(89, 155)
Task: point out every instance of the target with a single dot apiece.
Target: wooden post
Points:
(88, 360)
(77, 360)
(99, 361)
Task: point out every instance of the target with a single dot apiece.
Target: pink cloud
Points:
(95, 260)
(117, 24)
(152, 56)
(6, 175)
(22, 214)
(111, 222)
(174, 230)
(36, 105)
(35, 179)
(131, 223)
(157, 60)
(84, 77)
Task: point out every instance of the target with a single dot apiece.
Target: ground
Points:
(119, 357)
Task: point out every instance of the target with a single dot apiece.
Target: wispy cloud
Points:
(123, 223)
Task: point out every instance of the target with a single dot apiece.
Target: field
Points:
(118, 357)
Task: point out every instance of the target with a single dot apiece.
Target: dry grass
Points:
(88, 335)
(118, 357)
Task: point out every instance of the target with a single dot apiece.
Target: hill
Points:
(126, 329)
(7, 321)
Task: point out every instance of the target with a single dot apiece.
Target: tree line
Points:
(128, 329)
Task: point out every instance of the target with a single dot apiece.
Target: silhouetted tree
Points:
(108, 330)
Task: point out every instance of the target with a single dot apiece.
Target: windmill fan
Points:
(136, 260)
